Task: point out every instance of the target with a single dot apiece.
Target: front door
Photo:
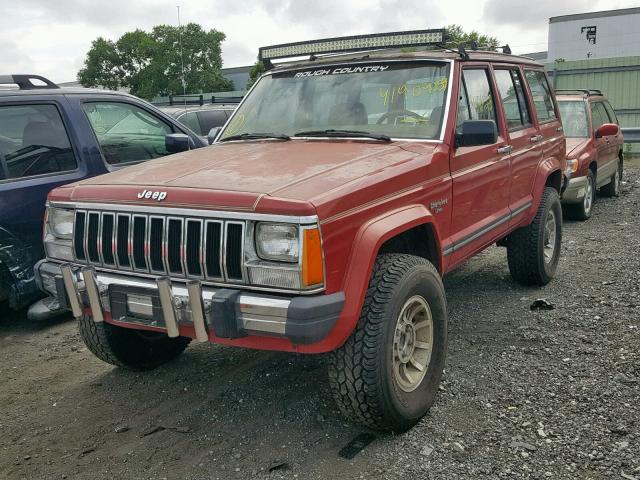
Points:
(480, 174)
(607, 148)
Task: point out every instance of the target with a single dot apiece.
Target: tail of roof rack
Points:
(26, 81)
(578, 91)
(356, 43)
(200, 100)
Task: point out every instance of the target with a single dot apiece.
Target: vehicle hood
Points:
(575, 146)
(242, 175)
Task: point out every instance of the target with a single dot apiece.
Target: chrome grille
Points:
(161, 244)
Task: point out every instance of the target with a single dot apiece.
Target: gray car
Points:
(201, 119)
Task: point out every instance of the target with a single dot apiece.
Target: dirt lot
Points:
(544, 394)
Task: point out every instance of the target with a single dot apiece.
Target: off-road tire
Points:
(361, 371)
(127, 348)
(579, 211)
(525, 247)
(612, 189)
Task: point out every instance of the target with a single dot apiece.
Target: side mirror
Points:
(178, 142)
(477, 132)
(607, 130)
(213, 134)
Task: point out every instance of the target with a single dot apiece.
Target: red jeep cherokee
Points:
(594, 149)
(337, 195)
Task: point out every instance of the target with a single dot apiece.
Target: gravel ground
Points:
(542, 394)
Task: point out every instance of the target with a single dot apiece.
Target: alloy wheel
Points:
(412, 343)
(549, 236)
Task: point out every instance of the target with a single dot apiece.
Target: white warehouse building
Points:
(583, 36)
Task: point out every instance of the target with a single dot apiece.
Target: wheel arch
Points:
(392, 232)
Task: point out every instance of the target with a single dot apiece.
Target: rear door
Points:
(38, 152)
(523, 134)
(480, 174)
(546, 115)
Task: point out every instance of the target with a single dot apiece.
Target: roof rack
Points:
(200, 100)
(25, 81)
(579, 91)
(355, 43)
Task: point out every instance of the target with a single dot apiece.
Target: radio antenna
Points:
(184, 84)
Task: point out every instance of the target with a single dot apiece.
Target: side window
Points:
(513, 99)
(33, 141)
(210, 119)
(612, 114)
(190, 119)
(541, 92)
(598, 115)
(476, 97)
(126, 133)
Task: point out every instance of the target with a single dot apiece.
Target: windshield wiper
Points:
(344, 134)
(256, 136)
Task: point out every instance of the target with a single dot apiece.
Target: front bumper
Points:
(576, 188)
(212, 312)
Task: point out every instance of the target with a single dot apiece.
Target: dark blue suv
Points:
(50, 136)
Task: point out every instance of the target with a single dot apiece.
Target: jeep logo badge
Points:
(148, 194)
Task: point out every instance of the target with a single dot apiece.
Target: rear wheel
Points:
(582, 210)
(386, 375)
(124, 347)
(612, 189)
(533, 251)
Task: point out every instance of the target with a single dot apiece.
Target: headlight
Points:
(60, 222)
(278, 241)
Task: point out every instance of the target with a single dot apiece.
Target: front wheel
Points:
(386, 375)
(582, 210)
(533, 251)
(133, 349)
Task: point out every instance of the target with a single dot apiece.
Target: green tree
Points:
(149, 63)
(255, 72)
(457, 35)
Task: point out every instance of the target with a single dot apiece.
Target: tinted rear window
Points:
(33, 141)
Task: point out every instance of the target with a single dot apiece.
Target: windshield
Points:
(399, 99)
(574, 118)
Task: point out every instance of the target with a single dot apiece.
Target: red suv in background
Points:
(594, 149)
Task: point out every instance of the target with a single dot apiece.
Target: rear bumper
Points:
(211, 312)
(576, 188)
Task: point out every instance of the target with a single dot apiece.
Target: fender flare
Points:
(546, 168)
(366, 245)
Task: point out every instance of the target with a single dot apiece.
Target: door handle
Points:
(505, 149)
(536, 138)
(559, 129)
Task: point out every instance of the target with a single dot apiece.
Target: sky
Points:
(52, 37)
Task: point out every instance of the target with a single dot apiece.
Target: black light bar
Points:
(377, 41)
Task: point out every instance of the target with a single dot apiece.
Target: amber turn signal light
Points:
(312, 265)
